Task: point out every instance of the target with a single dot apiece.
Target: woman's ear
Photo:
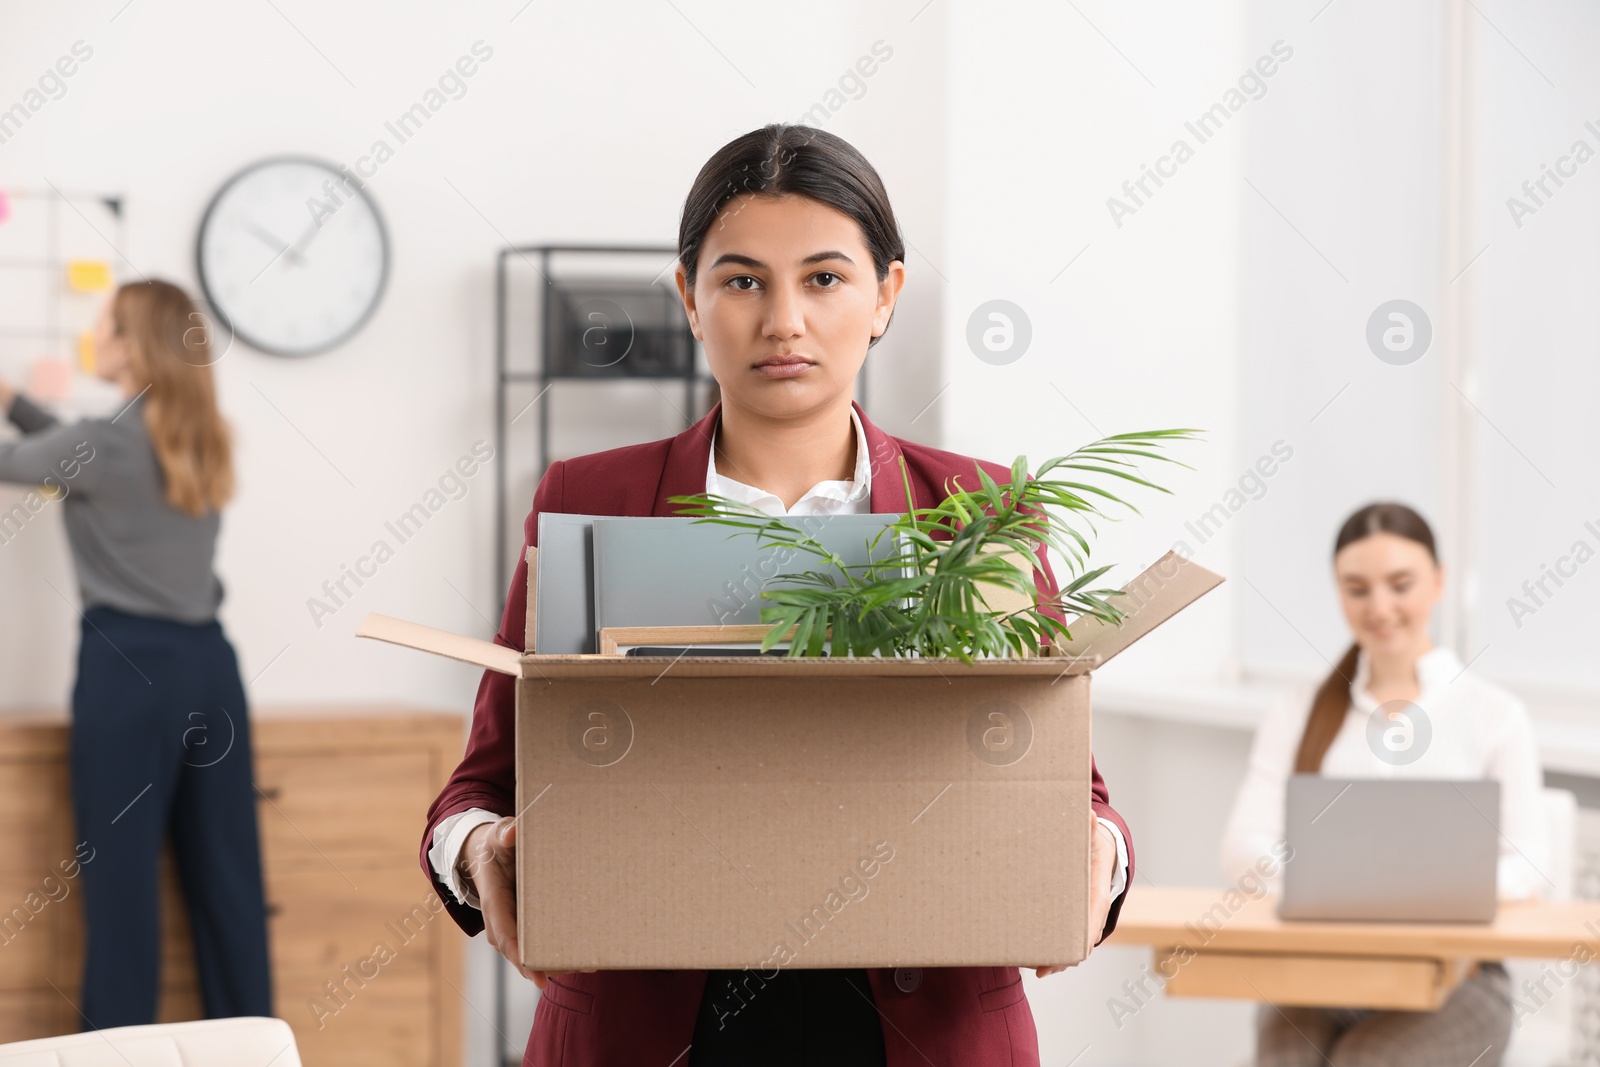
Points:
(686, 294)
(888, 293)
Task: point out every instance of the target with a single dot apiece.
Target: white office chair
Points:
(243, 1042)
(1544, 1039)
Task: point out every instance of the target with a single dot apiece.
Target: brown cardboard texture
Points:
(731, 812)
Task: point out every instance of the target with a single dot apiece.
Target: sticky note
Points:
(86, 352)
(89, 275)
(51, 379)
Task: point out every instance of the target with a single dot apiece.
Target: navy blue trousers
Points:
(161, 747)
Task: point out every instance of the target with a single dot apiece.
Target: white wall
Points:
(1047, 121)
(1348, 155)
(1538, 349)
(1352, 154)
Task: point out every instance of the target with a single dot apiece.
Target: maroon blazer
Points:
(967, 1016)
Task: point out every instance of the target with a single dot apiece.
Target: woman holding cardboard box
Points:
(160, 731)
(1390, 580)
(790, 262)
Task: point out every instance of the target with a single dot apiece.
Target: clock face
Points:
(292, 256)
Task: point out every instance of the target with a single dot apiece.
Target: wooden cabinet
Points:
(367, 967)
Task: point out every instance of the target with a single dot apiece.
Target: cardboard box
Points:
(727, 812)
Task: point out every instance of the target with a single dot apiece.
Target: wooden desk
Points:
(1220, 943)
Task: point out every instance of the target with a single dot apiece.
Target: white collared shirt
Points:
(850, 497)
(1477, 730)
(835, 497)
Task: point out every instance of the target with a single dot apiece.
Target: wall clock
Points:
(292, 256)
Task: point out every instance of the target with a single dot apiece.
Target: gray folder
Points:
(673, 571)
(563, 598)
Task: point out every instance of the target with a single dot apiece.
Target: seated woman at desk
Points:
(1389, 580)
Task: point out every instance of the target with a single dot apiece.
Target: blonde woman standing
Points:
(160, 730)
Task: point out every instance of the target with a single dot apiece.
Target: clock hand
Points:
(303, 242)
(273, 242)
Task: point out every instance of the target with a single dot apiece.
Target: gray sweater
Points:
(132, 550)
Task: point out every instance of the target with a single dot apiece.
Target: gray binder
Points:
(563, 598)
(673, 571)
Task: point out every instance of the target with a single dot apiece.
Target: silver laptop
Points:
(1408, 851)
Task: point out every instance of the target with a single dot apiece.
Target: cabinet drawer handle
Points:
(271, 793)
(274, 910)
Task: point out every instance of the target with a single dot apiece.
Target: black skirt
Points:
(797, 1018)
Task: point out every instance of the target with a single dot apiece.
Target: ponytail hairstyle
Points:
(779, 160)
(169, 351)
(1332, 702)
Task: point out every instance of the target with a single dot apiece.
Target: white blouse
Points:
(1478, 730)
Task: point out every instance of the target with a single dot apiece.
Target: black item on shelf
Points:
(616, 329)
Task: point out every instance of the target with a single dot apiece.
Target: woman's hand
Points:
(489, 860)
(1102, 865)
(7, 395)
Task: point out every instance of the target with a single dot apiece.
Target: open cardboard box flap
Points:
(1162, 590)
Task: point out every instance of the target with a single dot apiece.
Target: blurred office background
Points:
(1377, 162)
